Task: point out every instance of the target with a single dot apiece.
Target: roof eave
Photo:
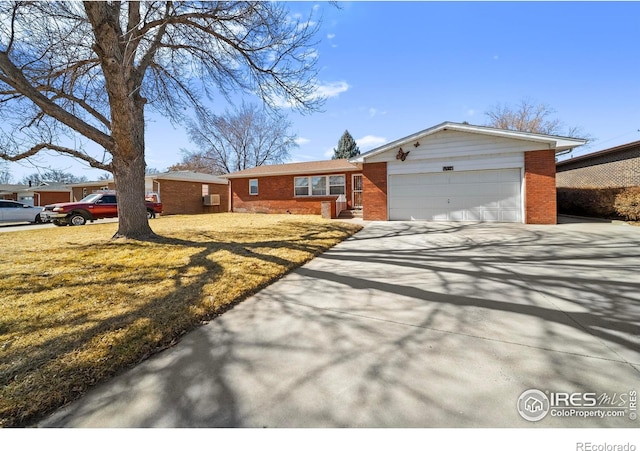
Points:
(239, 175)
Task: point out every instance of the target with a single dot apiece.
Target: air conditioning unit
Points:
(211, 200)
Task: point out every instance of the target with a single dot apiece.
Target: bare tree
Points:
(52, 176)
(71, 69)
(195, 162)
(5, 174)
(242, 138)
(528, 116)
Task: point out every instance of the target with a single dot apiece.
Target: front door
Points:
(356, 200)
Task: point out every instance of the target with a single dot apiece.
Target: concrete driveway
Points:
(408, 325)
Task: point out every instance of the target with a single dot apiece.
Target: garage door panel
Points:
(491, 195)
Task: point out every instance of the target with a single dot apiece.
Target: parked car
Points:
(11, 211)
(95, 206)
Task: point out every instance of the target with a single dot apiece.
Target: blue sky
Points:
(390, 69)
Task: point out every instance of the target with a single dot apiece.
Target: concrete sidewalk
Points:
(404, 325)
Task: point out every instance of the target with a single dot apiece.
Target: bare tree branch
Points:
(243, 138)
(60, 149)
(91, 69)
(13, 77)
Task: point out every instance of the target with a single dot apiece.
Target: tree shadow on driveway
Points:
(404, 325)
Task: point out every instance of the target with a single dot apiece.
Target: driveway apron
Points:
(406, 325)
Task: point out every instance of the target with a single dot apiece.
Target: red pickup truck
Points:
(94, 206)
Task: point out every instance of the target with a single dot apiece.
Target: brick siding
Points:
(374, 196)
(276, 195)
(80, 192)
(51, 197)
(184, 198)
(611, 170)
(540, 187)
(588, 185)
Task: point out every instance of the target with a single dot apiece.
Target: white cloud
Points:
(332, 89)
(369, 142)
(302, 141)
(374, 112)
(328, 153)
(326, 90)
(471, 112)
(331, 35)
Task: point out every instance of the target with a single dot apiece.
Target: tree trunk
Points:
(132, 212)
(123, 83)
(129, 167)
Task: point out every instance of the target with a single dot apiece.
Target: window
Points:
(253, 187)
(205, 190)
(319, 185)
(301, 186)
(336, 184)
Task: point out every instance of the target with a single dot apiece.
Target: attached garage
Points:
(462, 172)
(491, 195)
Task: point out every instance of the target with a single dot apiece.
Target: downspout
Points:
(564, 152)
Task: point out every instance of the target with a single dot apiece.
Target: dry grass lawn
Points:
(76, 307)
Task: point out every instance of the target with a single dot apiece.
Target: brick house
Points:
(181, 192)
(449, 172)
(588, 184)
(40, 195)
(186, 192)
(297, 188)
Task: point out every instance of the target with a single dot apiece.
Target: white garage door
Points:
(457, 196)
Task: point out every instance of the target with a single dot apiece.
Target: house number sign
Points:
(447, 168)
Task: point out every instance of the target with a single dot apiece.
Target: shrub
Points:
(594, 202)
(627, 203)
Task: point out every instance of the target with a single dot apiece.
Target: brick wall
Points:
(589, 185)
(612, 170)
(374, 196)
(540, 187)
(81, 192)
(49, 197)
(276, 195)
(182, 197)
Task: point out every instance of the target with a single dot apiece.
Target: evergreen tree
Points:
(347, 147)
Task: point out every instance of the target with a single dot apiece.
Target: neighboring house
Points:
(588, 184)
(181, 192)
(186, 192)
(617, 167)
(10, 191)
(44, 194)
(449, 172)
(83, 189)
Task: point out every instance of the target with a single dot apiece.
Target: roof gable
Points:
(541, 141)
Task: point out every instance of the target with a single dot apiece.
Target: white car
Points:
(11, 211)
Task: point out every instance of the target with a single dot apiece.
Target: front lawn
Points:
(76, 307)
